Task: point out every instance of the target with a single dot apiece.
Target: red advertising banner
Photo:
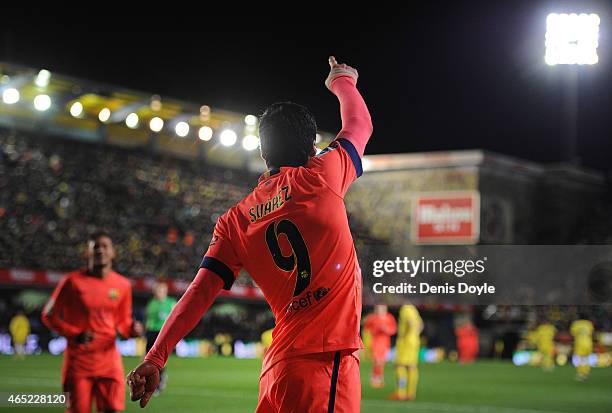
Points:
(451, 217)
(44, 278)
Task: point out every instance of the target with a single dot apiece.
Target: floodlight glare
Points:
(131, 121)
(104, 115)
(228, 137)
(250, 120)
(182, 129)
(42, 79)
(572, 39)
(76, 109)
(10, 96)
(42, 102)
(250, 142)
(205, 133)
(156, 124)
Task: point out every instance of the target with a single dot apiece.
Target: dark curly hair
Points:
(99, 234)
(287, 133)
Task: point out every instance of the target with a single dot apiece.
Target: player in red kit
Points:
(90, 307)
(381, 325)
(292, 236)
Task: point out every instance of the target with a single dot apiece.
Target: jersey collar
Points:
(269, 173)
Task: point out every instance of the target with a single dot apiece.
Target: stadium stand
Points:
(161, 211)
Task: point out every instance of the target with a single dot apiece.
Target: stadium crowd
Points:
(160, 211)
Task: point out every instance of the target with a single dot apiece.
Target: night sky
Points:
(435, 77)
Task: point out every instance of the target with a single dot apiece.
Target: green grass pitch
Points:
(227, 385)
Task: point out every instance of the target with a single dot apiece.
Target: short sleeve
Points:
(221, 257)
(60, 298)
(123, 314)
(338, 165)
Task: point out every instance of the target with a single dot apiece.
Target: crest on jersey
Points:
(113, 293)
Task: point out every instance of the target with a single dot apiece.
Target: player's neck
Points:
(99, 271)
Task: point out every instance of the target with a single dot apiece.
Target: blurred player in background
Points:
(467, 340)
(20, 329)
(545, 341)
(157, 311)
(292, 236)
(409, 328)
(582, 331)
(90, 307)
(266, 340)
(381, 326)
(366, 337)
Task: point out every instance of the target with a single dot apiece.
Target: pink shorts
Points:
(109, 394)
(319, 382)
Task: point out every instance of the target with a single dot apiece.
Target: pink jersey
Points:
(292, 236)
(82, 302)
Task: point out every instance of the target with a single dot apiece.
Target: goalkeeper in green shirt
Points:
(158, 310)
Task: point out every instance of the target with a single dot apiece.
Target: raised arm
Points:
(356, 120)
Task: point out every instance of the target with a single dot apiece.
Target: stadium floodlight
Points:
(10, 96)
(104, 115)
(76, 109)
(250, 120)
(228, 137)
(155, 104)
(156, 124)
(131, 121)
(205, 133)
(42, 79)
(250, 142)
(318, 138)
(182, 129)
(42, 103)
(572, 39)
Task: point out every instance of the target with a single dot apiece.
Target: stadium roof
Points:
(36, 99)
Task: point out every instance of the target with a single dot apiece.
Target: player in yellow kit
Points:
(19, 328)
(410, 326)
(545, 340)
(582, 331)
(266, 339)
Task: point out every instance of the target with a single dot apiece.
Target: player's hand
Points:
(137, 329)
(84, 337)
(337, 70)
(143, 381)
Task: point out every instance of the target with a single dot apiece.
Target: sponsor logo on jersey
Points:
(308, 299)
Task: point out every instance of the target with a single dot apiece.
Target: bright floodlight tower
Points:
(571, 39)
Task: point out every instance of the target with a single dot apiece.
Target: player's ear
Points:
(313, 151)
(88, 250)
(265, 161)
